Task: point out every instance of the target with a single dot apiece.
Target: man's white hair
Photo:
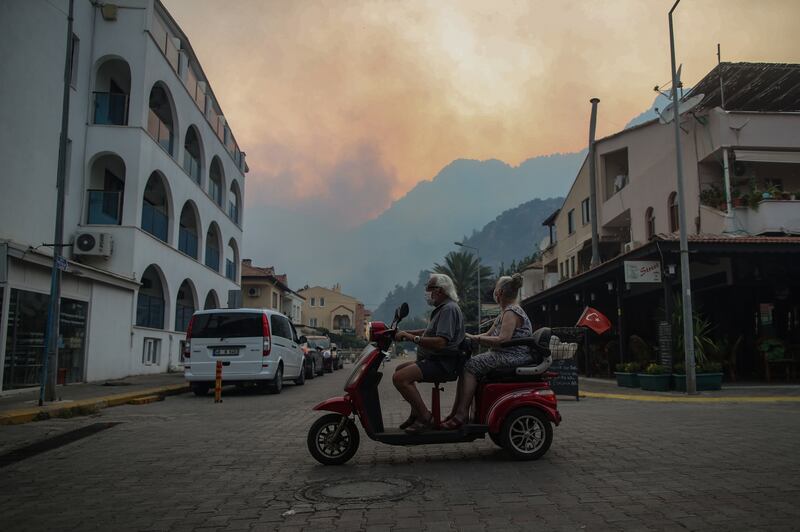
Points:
(445, 283)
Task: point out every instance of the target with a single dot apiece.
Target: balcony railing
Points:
(212, 258)
(230, 270)
(192, 166)
(111, 108)
(105, 207)
(160, 131)
(233, 212)
(154, 221)
(187, 242)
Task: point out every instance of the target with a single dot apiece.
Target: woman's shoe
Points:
(453, 423)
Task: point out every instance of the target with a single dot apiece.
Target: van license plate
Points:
(225, 352)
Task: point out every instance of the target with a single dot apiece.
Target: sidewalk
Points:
(79, 399)
(749, 392)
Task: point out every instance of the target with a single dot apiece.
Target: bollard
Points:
(218, 383)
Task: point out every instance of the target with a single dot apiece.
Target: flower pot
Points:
(678, 382)
(627, 380)
(654, 383)
(709, 381)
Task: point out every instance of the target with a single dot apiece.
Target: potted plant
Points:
(713, 197)
(736, 198)
(772, 349)
(627, 374)
(655, 378)
(709, 376)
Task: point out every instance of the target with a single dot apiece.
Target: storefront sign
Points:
(642, 271)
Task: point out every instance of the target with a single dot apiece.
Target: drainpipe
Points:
(593, 186)
(728, 201)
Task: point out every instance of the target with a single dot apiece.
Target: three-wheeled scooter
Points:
(514, 406)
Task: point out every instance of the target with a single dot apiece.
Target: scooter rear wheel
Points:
(526, 434)
(332, 452)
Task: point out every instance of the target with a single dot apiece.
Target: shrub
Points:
(710, 367)
(633, 367)
(655, 369)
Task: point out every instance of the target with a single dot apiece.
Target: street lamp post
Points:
(478, 256)
(688, 325)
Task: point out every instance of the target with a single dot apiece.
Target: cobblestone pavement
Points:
(189, 464)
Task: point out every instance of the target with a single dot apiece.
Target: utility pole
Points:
(47, 390)
(686, 289)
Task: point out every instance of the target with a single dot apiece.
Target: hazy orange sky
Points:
(346, 105)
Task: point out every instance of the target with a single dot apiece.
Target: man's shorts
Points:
(438, 370)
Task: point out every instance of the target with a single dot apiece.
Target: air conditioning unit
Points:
(630, 246)
(254, 292)
(98, 244)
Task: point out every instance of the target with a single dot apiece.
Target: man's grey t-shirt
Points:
(447, 322)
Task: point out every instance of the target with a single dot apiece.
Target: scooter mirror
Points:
(403, 311)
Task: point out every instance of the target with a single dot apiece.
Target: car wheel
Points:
(277, 383)
(313, 372)
(321, 372)
(201, 389)
(301, 379)
(526, 434)
(326, 450)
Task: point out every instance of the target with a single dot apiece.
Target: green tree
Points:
(462, 268)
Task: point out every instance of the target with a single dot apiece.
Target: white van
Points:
(254, 345)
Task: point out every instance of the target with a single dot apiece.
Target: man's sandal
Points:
(453, 423)
(419, 426)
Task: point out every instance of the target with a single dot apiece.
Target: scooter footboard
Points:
(339, 405)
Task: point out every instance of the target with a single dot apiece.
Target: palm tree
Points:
(462, 268)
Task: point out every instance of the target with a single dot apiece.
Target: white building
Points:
(154, 180)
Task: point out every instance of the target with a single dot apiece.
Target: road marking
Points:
(660, 399)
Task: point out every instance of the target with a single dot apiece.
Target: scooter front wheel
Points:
(326, 447)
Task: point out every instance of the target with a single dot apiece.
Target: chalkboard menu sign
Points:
(566, 383)
(665, 344)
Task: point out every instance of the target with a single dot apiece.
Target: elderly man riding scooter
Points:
(443, 335)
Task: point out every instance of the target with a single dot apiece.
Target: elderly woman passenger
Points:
(511, 323)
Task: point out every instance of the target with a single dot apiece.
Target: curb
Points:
(85, 406)
(668, 399)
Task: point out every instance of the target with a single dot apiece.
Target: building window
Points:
(322, 302)
(215, 179)
(151, 351)
(585, 213)
(155, 208)
(672, 205)
(187, 233)
(150, 301)
(313, 322)
(571, 221)
(274, 300)
(191, 154)
(73, 61)
(572, 269)
(649, 223)
(212, 247)
(615, 170)
(313, 301)
(184, 307)
(160, 122)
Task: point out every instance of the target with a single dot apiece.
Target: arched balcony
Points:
(193, 155)
(188, 231)
(156, 207)
(112, 89)
(216, 181)
(161, 119)
(213, 247)
(106, 190)
(232, 260)
(151, 301)
(185, 305)
(234, 203)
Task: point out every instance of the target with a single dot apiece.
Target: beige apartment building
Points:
(263, 288)
(741, 167)
(330, 309)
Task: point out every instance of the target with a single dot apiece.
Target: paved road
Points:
(188, 464)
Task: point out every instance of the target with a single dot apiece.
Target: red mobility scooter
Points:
(514, 406)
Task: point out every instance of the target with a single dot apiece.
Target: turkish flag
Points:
(595, 320)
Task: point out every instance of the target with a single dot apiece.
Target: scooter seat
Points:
(516, 374)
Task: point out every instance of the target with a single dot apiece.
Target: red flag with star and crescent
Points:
(595, 320)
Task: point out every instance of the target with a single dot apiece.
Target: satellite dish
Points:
(544, 244)
(666, 116)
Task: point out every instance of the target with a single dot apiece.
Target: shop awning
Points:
(764, 156)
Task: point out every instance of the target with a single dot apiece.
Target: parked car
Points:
(315, 365)
(322, 345)
(257, 346)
